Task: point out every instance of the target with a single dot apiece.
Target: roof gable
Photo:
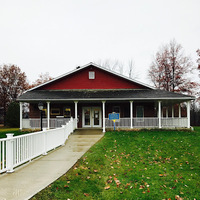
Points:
(103, 79)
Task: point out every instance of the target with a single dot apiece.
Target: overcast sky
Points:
(55, 36)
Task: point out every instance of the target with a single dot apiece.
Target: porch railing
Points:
(35, 122)
(147, 122)
(174, 122)
(15, 151)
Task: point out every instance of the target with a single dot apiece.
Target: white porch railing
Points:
(174, 122)
(147, 122)
(15, 151)
(35, 122)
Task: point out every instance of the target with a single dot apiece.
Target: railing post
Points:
(64, 133)
(45, 141)
(9, 153)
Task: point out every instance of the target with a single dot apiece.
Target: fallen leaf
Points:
(177, 197)
(107, 187)
(95, 170)
(66, 186)
(86, 194)
(109, 181)
(141, 187)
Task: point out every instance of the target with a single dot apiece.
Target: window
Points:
(91, 75)
(140, 113)
(55, 111)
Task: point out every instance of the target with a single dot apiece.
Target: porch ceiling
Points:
(99, 95)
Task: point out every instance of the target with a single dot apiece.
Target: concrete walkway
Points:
(29, 179)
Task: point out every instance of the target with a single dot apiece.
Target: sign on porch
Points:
(114, 116)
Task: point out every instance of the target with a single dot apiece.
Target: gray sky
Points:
(55, 36)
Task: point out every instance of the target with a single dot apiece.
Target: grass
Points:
(16, 131)
(134, 165)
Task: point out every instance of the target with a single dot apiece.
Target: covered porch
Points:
(162, 113)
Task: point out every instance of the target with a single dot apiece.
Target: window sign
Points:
(67, 112)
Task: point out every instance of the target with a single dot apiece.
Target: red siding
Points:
(103, 80)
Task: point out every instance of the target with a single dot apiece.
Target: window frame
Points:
(91, 75)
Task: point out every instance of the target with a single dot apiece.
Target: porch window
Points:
(91, 75)
(55, 111)
(140, 113)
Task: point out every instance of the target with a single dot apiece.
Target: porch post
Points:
(179, 110)
(48, 115)
(76, 113)
(131, 113)
(188, 114)
(104, 120)
(159, 114)
(20, 106)
(172, 111)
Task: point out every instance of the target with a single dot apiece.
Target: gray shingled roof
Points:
(121, 94)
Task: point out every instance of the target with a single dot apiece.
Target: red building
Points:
(89, 93)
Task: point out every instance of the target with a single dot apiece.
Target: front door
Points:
(91, 116)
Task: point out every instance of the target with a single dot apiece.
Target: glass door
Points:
(87, 117)
(96, 117)
(91, 116)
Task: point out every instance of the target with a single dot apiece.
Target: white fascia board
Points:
(84, 66)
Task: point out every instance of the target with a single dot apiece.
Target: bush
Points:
(13, 115)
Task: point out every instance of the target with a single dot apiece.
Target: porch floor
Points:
(29, 179)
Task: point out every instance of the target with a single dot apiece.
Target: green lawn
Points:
(134, 165)
(16, 131)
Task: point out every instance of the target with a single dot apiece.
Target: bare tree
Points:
(131, 70)
(118, 66)
(43, 78)
(171, 69)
